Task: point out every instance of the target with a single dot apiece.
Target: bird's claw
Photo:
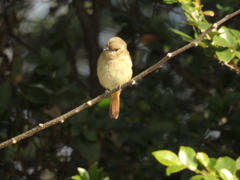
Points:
(106, 92)
(119, 87)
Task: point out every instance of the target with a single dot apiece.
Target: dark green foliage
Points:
(193, 100)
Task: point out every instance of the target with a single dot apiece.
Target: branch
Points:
(90, 27)
(232, 66)
(159, 64)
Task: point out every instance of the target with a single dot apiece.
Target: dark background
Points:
(48, 57)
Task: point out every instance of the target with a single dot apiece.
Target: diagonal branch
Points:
(159, 64)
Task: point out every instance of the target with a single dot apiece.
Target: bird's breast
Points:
(114, 72)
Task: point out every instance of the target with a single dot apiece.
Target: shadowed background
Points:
(48, 60)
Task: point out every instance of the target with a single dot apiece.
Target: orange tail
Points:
(115, 105)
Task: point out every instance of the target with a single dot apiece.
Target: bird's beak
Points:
(106, 49)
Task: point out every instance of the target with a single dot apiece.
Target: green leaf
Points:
(46, 54)
(210, 177)
(205, 43)
(215, 102)
(231, 98)
(42, 71)
(211, 164)
(224, 54)
(236, 33)
(106, 178)
(58, 58)
(226, 174)
(237, 54)
(208, 13)
(34, 59)
(227, 35)
(6, 94)
(104, 103)
(17, 67)
(95, 173)
(203, 159)
(238, 163)
(219, 41)
(187, 156)
(76, 177)
(197, 177)
(63, 71)
(237, 174)
(167, 158)
(225, 163)
(210, 51)
(174, 169)
(203, 26)
(184, 36)
(83, 174)
(143, 106)
(89, 135)
(170, 1)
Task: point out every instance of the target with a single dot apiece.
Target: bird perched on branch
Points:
(114, 68)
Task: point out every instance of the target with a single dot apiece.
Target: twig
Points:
(233, 67)
(159, 64)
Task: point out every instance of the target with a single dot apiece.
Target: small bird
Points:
(114, 68)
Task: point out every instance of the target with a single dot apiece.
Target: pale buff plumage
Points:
(114, 68)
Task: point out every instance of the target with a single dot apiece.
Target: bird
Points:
(114, 68)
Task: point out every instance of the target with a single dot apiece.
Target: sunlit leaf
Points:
(219, 41)
(226, 174)
(225, 163)
(174, 169)
(197, 177)
(236, 33)
(167, 158)
(224, 54)
(209, 13)
(238, 163)
(203, 26)
(226, 34)
(76, 177)
(237, 53)
(170, 1)
(210, 177)
(184, 36)
(83, 174)
(187, 156)
(203, 158)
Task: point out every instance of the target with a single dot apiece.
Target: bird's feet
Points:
(119, 87)
(106, 92)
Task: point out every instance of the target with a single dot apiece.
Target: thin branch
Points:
(233, 67)
(159, 64)
(90, 27)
